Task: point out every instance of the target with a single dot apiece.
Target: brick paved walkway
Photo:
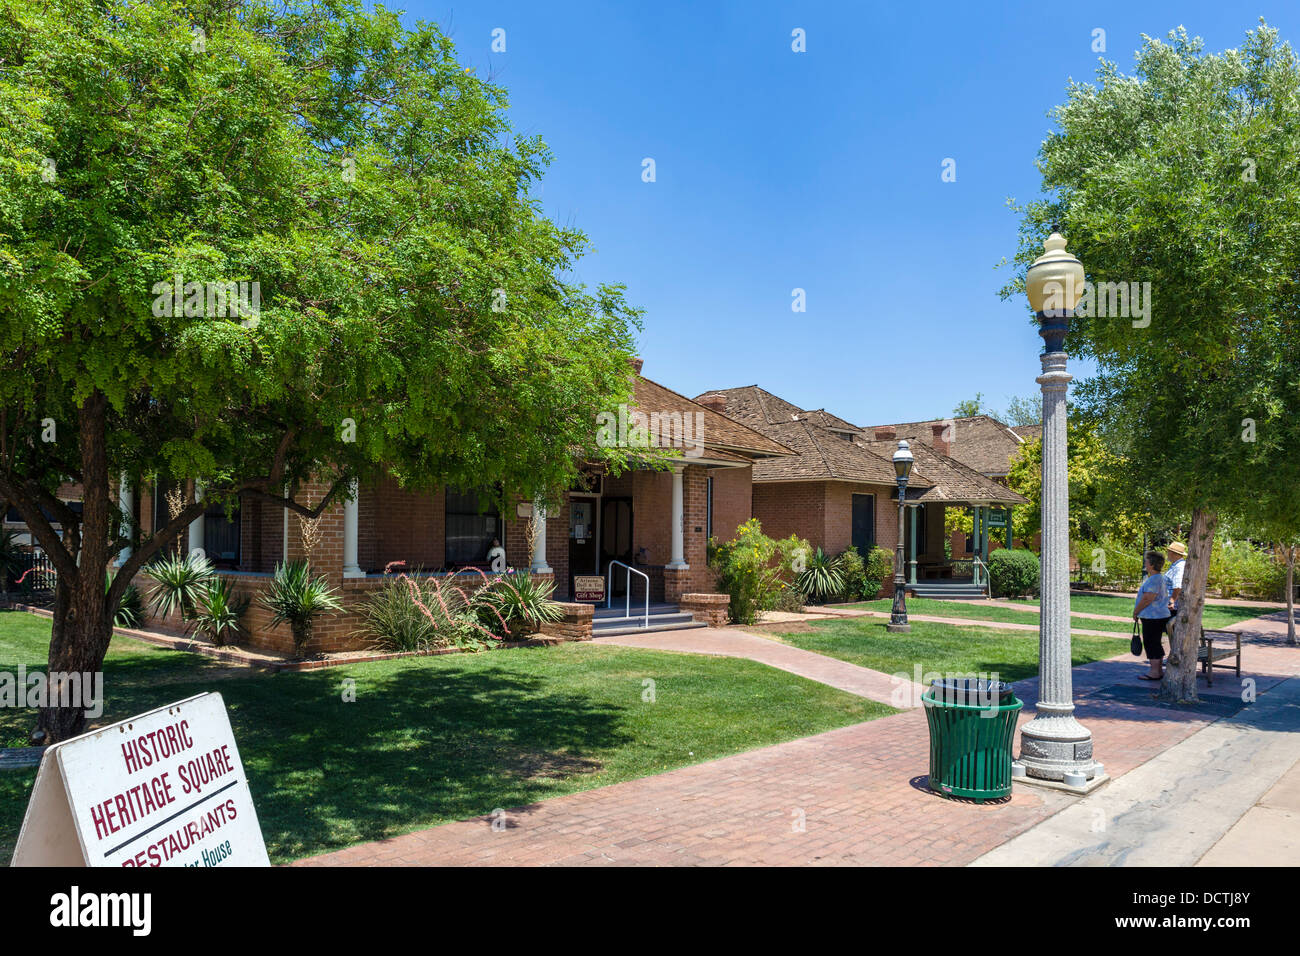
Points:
(855, 795)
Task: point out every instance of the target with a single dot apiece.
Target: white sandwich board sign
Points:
(165, 788)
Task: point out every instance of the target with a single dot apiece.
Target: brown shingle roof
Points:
(821, 455)
(978, 441)
(717, 432)
(949, 479)
(757, 406)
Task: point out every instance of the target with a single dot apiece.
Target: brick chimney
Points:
(886, 433)
(715, 402)
(940, 437)
(636, 364)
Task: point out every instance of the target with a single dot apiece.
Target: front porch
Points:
(932, 565)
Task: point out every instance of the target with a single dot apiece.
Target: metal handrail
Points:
(627, 587)
(976, 565)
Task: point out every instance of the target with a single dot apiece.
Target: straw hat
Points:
(1178, 549)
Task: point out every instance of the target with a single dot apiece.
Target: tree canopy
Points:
(1183, 175)
(412, 309)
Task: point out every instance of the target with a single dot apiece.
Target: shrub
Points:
(218, 612)
(788, 599)
(746, 571)
(417, 614)
(1013, 572)
(298, 599)
(854, 570)
(1240, 569)
(517, 603)
(878, 568)
(822, 578)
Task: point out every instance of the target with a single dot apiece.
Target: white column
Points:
(1054, 745)
(196, 526)
(351, 510)
(124, 502)
(678, 528)
(539, 565)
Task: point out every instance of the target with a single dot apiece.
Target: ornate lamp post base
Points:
(1057, 747)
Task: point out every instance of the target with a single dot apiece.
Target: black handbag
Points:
(1135, 645)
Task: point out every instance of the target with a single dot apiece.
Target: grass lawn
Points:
(945, 648)
(1215, 616)
(434, 739)
(1015, 614)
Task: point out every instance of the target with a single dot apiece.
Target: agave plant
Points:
(130, 609)
(296, 598)
(179, 582)
(822, 578)
(517, 603)
(218, 612)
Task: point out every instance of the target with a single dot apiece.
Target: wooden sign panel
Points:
(588, 587)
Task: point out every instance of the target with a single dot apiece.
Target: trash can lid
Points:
(960, 690)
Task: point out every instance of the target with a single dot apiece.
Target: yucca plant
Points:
(218, 612)
(179, 581)
(822, 578)
(130, 609)
(298, 599)
(517, 603)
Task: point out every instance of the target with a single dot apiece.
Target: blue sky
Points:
(820, 170)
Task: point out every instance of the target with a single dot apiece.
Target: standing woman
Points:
(1152, 609)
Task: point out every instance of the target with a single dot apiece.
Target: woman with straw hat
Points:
(1178, 558)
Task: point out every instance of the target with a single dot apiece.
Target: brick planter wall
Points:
(710, 609)
(334, 633)
(575, 625)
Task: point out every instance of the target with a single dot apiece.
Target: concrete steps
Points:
(610, 621)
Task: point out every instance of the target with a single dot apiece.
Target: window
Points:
(708, 510)
(864, 523)
(221, 535)
(471, 527)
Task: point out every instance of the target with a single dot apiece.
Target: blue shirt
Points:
(1174, 577)
(1158, 585)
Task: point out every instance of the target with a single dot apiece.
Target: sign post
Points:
(588, 587)
(165, 788)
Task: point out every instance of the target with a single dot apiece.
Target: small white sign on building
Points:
(165, 788)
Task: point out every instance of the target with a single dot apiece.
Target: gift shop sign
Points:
(166, 788)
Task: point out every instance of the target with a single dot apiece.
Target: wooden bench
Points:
(1208, 654)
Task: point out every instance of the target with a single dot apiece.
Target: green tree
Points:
(1023, 410)
(1184, 175)
(970, 407)
(371, 187)
(1096, 505)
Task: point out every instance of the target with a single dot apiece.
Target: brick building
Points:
(839, 488)
(656, 521)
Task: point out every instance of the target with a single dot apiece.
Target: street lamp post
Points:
(902, 469)
(1054, 746)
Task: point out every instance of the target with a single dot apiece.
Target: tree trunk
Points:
(1179, 682)
(1290, 595)
(83, 619)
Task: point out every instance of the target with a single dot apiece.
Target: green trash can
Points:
(972, 724)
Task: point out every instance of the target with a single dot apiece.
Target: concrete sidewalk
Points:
(1173, 809)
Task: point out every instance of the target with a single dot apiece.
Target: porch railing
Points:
(980, 573)
(627, 588)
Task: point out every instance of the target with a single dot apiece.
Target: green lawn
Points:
(1013, 613)
(442, 738)
(1215, 616)
(943, 648)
